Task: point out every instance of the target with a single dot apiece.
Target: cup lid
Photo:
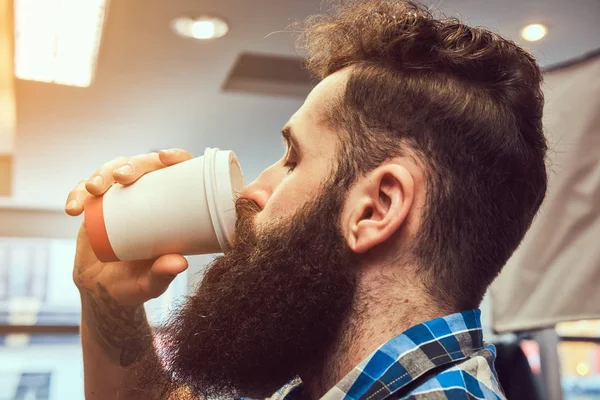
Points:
(223, 180)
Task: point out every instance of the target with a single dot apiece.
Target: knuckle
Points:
(121, 160)
(77, 280)
(76, 189)
(142, 287)
(138, 159)
(149, 161)
(110, 166)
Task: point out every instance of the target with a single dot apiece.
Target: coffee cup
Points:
(187, 208)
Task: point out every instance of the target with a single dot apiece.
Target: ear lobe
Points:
(387, 197)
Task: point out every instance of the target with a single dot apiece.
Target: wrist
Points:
(122, 331)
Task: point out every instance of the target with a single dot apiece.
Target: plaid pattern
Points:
(444, 358)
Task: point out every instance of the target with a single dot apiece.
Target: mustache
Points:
(246, 207)
(246, 210)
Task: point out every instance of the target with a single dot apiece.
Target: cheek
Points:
(287, 199)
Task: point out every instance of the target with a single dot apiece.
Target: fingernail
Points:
(72, 204)
(98, 181)
(125, 169)
(170, 152)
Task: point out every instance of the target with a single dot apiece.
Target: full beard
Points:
(273, 305)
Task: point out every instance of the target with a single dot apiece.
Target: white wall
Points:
(65, 138)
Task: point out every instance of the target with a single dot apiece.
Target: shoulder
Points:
(472, 378)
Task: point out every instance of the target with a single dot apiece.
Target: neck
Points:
(381, 314)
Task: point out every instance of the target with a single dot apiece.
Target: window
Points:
(40, 367)
(40, 347)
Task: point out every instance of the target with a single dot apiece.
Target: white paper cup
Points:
(187, 208)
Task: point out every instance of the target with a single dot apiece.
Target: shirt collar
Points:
(410, 355)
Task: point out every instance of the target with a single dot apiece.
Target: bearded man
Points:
(412, 172)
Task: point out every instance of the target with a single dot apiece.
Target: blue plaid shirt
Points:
(444, 358)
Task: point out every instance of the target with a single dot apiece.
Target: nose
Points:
(262, 188)
(256, 192)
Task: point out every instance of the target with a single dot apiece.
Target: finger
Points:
(137, 167)
(163, 271)
(103, 179)
(76, 199)
(174, 156)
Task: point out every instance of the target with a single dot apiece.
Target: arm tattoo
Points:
(121, 328)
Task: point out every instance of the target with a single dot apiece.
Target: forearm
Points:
(113, 338)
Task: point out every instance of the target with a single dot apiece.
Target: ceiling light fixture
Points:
(200, 28)
(534, 32)
(57, 40)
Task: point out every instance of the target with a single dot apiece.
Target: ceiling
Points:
(155, 90)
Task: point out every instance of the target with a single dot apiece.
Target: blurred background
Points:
(86, 81)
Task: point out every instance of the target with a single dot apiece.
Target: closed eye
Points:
(292, 156)
(290, 166)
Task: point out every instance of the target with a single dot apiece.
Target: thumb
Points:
(163, 271)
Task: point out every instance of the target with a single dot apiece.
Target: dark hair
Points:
(466, 103)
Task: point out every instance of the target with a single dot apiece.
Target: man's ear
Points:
(379, 206)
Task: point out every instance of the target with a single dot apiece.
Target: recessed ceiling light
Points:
(57, 40)
(200, 28)
(534, 32)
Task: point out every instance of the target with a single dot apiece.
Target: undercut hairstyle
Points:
(466, 103)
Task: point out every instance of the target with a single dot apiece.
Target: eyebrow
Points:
(290, 138)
